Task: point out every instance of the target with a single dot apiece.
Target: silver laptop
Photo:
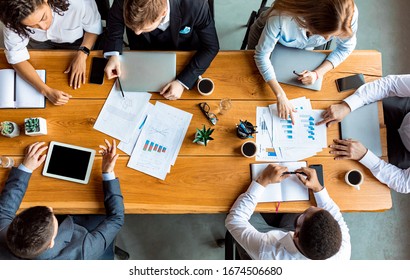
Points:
(286, 60)
(147, 70)
(363, 125)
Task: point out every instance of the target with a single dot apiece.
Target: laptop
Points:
(286, 60)
(363, 125)
(147, 70)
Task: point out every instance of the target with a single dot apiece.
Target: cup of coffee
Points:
(205, 86)
(248, 149)
(354, 178)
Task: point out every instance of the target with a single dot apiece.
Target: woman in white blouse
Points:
(50, 24)
(303, 24)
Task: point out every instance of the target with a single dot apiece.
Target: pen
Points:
(293, 172)
(296, 73)
(119, 83)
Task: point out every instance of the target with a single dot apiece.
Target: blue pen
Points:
(143, 122)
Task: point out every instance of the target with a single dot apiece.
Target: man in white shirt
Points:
(320, 232)
(397, 119)
(69, 24)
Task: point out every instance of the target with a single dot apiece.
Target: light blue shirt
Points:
(286, 31)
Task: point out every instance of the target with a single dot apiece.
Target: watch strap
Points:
(84, 50)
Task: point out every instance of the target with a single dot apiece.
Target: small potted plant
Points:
(9, 129)
(203, 136)
(35, 126)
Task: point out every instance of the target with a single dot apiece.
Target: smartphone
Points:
(350, 82)
(319, 172)
(97, 70)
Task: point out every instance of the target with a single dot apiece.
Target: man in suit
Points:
(36, 233)
(163, 25)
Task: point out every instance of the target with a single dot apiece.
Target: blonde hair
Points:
(138, 13)
(320, 17)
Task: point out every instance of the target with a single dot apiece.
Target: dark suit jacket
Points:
(73, 241)
(194, 14)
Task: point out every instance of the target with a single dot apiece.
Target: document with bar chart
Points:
(303, 133)
(160, 140)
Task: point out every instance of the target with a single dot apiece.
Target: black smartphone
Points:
(97, 70)
(319, 172)
(350, 82)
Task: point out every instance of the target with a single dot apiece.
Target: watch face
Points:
(84, 49)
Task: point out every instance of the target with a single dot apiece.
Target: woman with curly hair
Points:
(50, 24)
(303, 24)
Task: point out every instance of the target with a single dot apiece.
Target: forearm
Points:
(325, 67)
(89, 40)
(276, 88)
(28, 73)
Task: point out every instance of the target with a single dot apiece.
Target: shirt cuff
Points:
(187, 88)
(109, 54)
(25, 169)
(321, 197)
(370, 160)
(95, 28)
(14, 57)
(108, 176)
(256, 189)
(354, 102)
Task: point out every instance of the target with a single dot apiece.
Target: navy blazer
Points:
(193, 15)
(73, 241)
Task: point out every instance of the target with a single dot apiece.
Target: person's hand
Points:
(113, 67)
(273, 173)
(285, 108)
(308, 77)
(310, 181)
(334, 114)
(77, 68)
(109, 153)
(172, 91)
(34, 158)
(57, 97)
(348, 149)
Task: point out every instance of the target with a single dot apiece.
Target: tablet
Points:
(69, 162)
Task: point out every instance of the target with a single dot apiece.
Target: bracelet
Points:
(84, 50)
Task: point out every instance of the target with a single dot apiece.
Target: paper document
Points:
(290, 189)
(120, 116)
(160, 140)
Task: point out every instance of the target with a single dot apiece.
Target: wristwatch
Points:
(84, 50)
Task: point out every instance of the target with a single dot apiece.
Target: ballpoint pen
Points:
(119, 83)
(293, 172)
(296, 73)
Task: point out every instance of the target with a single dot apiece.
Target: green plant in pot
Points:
(202, 136)
(35, 126)
(9, 129)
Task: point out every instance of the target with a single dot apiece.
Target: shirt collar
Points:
(165, 21)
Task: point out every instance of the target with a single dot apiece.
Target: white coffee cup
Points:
(354, 178)
(249, 149)
(205, 86)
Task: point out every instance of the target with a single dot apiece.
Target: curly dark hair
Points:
(30, 232)
(12, 12)
(320, 236)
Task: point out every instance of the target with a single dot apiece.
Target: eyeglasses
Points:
(210, 116)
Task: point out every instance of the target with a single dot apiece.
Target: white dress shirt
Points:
(276, 244)
(393, 85)
(82, 15)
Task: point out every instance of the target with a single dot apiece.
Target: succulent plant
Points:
(32, 125)
(203, 135)
(6, 127)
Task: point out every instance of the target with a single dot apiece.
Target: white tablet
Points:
(69, 162)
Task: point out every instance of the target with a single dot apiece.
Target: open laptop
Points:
(147, 70)
(363, 125)
(286, 60)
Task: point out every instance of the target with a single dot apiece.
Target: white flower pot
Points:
(42, 129)
(200, 142)
(14, 133)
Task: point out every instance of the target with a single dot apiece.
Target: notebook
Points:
(363, 125)
(286, 60)
(290, 189)
(17, 93)
(147, 71)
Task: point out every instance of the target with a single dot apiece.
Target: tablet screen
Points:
(69, 162)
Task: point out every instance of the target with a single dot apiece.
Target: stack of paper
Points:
(151, 135)
(280, 140)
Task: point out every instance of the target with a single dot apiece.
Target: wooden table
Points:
(204, 179)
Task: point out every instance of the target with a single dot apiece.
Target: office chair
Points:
(255, 14)
(231, 253)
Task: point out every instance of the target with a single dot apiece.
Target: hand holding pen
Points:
(307, 77)
(119, 83)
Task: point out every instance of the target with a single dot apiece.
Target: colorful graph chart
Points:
(309, 123)
(150, 146)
